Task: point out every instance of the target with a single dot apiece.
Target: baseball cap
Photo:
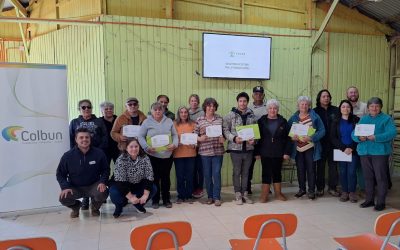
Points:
(132, 99)
(258, 89)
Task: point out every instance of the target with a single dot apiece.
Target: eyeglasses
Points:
(86, 107)
(132, 104)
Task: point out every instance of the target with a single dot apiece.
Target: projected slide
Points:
(234, 56)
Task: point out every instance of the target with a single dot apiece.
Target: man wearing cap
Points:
(131, 116)
(259, 109)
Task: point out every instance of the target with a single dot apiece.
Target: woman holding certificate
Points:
(185, 155)
(274, 148)
(158, 138)
(306, 130)
(374, 134)
(340, 136)
(211, 149)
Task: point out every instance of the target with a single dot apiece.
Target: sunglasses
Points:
(132, 104)
(86, 107)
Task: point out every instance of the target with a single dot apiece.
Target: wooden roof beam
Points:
(357, 3)
(18, 7)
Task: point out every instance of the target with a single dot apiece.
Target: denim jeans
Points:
(120, 200)
(348, 175)
(184, 176)
(212, 175)
(306, 170)
(198, 177)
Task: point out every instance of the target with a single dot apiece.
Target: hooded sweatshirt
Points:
(150, 127)
(96, 127)
(195, 114)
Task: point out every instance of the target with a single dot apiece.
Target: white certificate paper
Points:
(214, 131)
(364, 129)
(339, 155)
(159, 141)
(246, 134)
(130, 130)
(299, 129)
(189, 139)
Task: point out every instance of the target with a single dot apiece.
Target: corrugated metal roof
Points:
(384, 11)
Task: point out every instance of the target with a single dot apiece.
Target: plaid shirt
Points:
(211, 146)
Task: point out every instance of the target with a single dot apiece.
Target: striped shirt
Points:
(303, 146)
(211, 146)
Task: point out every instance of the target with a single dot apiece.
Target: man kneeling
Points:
(83, 172)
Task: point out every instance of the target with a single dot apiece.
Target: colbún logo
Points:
(9, 133)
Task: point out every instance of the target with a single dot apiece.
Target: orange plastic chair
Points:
(385, 225)
(262, 230)
(41, 243)
(168, 235)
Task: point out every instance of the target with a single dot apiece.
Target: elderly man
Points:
(83, 171)
(131, 116)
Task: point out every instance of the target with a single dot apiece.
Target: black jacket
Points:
(77, 169)
(327, 116)
(335, 135)
(96, 127)
(275, 145)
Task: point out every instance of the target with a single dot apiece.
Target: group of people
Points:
(142, 170)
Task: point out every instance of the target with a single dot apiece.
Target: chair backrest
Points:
(253, 224)
(41, 243)
(384, 223)
(162, 239)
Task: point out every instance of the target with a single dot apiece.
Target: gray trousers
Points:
(87, 191)
(241, 164)
(375, 168)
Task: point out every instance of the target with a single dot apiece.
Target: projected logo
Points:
(10, 133)
(236, 53)
(30, 136)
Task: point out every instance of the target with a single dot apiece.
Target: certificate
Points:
(158, 141)
(299, 129)
(189, 139)
(364, 129)
(130, 130)
(339, 155)
(253, 134)
(214, 131)
(246, 134)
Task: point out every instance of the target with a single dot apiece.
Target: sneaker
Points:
(367, 204)
(218, 203)
(209, 201)
(140, 208)
(311, 196)
(246, 198)
(320, 193)
(198, 193)
(353, 197)
(238, 198)
(155, 205)
(379, 207)
(300, 193)
(333, 192)
(344, 197)
(179, 201)
(167, 204)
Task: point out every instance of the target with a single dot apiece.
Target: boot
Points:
(278, 192)
(264, 193)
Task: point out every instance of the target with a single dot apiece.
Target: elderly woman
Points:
(306, 148)
(107, 109)
(95, 126)
(133, 179)
(161, 159)
(374, 151)
(211, 150)
(340, 136)
(184, 157)
(131, 116)
(274, 148)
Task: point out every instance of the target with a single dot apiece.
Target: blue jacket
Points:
(77, 169)
(319, 133)
(385, 132)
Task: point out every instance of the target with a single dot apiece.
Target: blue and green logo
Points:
(10, 133)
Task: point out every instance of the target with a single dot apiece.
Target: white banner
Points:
(34, 134)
